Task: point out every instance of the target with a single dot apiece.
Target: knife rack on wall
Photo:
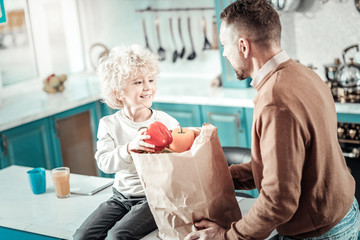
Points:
(179, 33)
(150, 9)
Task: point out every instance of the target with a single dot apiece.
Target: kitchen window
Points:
(39, 38)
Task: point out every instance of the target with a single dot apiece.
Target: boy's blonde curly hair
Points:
(124, 63)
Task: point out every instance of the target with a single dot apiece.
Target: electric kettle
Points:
(348, 74)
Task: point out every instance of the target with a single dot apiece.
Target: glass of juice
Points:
(61, 179)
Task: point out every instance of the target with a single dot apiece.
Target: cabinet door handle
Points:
(56, 128)
(4, 145)
(238, 123)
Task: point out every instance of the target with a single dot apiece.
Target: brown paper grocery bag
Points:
(182, 188)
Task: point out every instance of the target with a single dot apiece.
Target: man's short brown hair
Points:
(254, 19)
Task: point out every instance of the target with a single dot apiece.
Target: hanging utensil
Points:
(145, 35)
(97, 51)
(182, 52)
(286, 5)
(207, 44)
(161, 50)
(175, 54)
(215, 40)
(193, 53)
(280, 4)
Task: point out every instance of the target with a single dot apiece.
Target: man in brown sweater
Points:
(305, 188)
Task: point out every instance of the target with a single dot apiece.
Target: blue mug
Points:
(37, 180)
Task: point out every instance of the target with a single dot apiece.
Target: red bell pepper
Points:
(159, 134)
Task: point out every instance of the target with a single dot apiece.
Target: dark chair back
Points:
(237, 155)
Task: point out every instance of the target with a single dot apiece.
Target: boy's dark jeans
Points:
(119, 218)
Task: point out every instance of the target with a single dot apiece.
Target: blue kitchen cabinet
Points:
(188, 115)
(348, 117)
(248, 123)
(230, 122)
(64, 139)
(27, 145)
(2, 12)
(12, 234)
(228, 76)
(74, 138)
(105, 110)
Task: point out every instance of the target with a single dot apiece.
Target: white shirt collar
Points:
(268, 66)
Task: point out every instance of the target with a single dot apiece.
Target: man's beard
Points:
(240, 74)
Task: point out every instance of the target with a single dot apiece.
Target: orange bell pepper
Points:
(183, 139)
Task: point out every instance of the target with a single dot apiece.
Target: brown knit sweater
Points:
(296, 161)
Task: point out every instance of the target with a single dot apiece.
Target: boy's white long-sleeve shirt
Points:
(114, 133)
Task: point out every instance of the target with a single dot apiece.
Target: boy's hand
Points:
(139, 144)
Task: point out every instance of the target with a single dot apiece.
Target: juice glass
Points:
(61, 179)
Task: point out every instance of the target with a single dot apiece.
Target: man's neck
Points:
(260, 57)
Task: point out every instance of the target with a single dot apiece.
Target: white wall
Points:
(315, 34)
(114, 22)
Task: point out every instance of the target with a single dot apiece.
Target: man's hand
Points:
(208, 231)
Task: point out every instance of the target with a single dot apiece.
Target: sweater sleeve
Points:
(109, 157)
(282, 148)
(242, 176)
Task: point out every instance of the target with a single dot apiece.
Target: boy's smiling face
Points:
(139, 92)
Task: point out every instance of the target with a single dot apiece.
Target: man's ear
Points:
(244, 47)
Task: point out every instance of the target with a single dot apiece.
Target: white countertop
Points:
(44, 213)
(48, 215)
(33, 103)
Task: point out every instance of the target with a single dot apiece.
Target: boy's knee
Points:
(81, 234)
(78, 235)
(118, 234)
